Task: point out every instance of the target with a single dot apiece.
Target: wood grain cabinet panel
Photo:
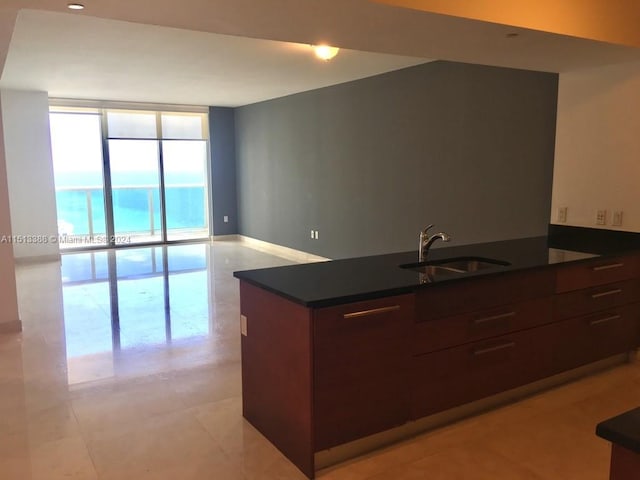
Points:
(479, 293)
(462, 374)
(446, 332)
(596, 336)
(597, 272)
(581, 302)
(361, 360)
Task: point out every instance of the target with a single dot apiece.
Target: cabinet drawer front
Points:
(360, 369)
(480, 293)
(596, 336)
(459, 375)
(447, 332)
(582, 302)
(597, 272)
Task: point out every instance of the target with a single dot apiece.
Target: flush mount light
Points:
(75, 6)
(325, 52)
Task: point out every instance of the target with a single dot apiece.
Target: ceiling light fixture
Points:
(325, 52)
(75, 6)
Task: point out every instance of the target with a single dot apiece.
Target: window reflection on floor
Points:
(120, 302)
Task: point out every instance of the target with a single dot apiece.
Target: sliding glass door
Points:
(142, 179)
(76, 145)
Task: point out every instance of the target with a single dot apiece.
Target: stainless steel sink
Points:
(455, 265)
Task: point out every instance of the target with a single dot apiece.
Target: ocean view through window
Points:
(129, 176)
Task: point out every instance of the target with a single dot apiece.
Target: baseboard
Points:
(10, 327)
(54, 257)
(224, 238)
(280, 251)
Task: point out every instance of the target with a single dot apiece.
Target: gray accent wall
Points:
(223, 170)
(369, 163)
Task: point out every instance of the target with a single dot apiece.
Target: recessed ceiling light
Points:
(75, 6)
(325, 52)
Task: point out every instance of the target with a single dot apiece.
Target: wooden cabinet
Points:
(598, 303)
(360, 368)
(597, 272)
(316, 378)
(461, 374)
(491, 345)
(475, 294)
(468, 327)
(595, 336)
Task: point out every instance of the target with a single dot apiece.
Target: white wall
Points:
(597, 161)
(30, 171)
(9, 320)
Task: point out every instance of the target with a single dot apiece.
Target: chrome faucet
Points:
(426, 241)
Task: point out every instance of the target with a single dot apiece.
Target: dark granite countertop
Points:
(343, 281)
(623, 430)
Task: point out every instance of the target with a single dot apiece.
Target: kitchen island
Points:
(345, 350)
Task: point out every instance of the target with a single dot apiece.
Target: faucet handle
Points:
(427, 228)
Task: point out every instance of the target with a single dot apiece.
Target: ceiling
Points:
(235, 52)
(73, 56)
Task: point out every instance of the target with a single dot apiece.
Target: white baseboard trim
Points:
(224, 238)
(10, 327)
(54, 257)
(280, 251)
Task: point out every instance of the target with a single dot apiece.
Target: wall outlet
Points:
(616, 221)
(562, 214)
(243, 325)
(601, 217)
(225, 219)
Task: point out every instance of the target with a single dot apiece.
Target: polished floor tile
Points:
(129, 367)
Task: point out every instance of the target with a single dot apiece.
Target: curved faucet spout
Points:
(426, 241)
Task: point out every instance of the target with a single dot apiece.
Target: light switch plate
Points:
(562, 215)
(617, 218)
(243, 325)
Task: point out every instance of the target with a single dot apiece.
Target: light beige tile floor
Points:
(160, 398)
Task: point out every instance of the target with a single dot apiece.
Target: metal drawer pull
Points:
(607, 293)
(607, 267)
(605, 319)
(504, 346)
(373, 311)
(478, 321)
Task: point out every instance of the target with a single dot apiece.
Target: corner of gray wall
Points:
(223, 170)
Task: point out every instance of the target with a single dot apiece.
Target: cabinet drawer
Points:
(447, 332)
(479, 293)
(361, 359)
(589, 338)
(581, 302)
(459, 375)
(597, 272)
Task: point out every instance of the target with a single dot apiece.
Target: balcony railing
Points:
(136, 212)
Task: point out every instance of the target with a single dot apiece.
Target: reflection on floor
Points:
(128, 368)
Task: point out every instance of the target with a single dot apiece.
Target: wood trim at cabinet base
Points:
(327, 458)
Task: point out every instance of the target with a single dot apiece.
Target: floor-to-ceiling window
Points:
(129, 176)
